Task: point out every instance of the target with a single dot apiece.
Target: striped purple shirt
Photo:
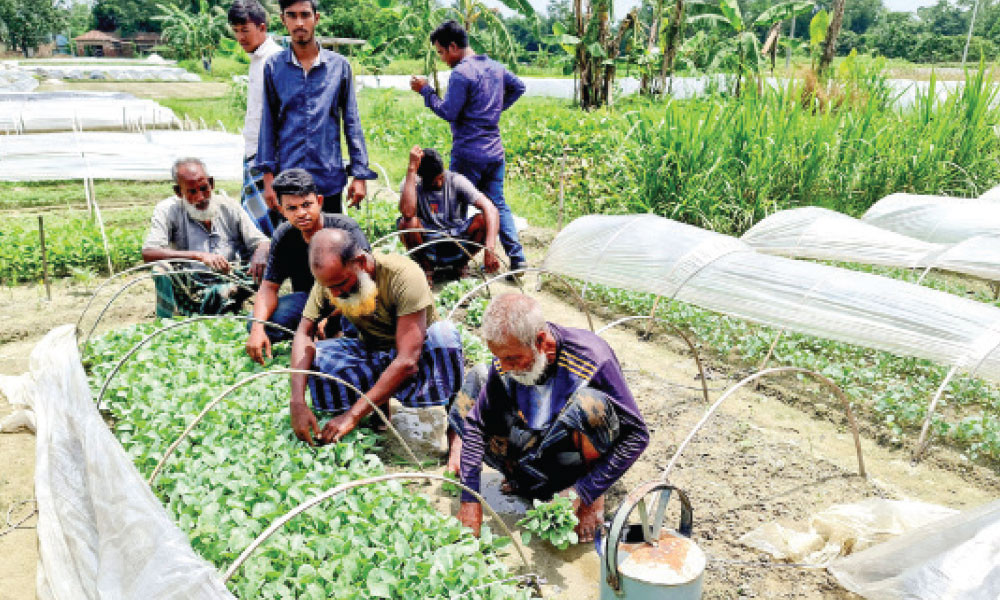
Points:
(582, 359)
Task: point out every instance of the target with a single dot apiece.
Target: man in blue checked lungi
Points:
(401, 349)
(553, 413)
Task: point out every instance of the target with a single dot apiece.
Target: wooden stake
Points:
(45, 261)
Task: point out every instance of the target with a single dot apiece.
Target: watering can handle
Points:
(625, 509)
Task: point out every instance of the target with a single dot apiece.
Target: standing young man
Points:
(248, 21)
(308, 98)
(479, 90)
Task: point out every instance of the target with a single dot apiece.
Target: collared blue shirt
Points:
(301, 120)
(479, 90)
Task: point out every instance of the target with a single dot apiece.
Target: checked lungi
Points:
(538, 463)
(208, 293)
(439, 371)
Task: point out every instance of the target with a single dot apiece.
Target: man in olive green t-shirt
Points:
(401, 351)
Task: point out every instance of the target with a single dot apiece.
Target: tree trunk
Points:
(674, 34)
(830, 45)
(654, 32)
(613, 50)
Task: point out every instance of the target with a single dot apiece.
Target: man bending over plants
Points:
(401, 349)
(214, 231)
(439, 200)
(289, 259)
(553, 414)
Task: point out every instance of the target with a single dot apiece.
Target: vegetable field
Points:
(242, 468)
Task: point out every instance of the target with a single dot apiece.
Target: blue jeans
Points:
(287, 314)
(488, 179)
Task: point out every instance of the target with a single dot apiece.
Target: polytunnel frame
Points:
(343, 487)
(671, 327)
(249, 379)
(826, 381)
(109, 279)
(541, 270)
(146, 276)
(175, 325)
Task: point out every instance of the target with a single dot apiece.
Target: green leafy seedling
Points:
(553, 521)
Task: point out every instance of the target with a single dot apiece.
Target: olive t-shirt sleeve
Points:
(317, 304)
(410, 288)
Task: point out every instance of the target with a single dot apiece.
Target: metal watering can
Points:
(643, 560)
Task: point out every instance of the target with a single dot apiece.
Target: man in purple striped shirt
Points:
(552, 414)
(479, 90)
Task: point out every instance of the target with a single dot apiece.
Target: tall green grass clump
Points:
(724, 162)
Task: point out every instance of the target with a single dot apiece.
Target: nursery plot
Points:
(69, 111)
(243, 468)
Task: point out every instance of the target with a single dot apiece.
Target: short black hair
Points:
(293, 182)
(247, 11)
(431, 165)
(283, 4)
(450, 32)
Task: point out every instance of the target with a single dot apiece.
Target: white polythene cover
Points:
(822, 234)
(113, 155)
(956, 558)
(101, 532)
(66, 111)
(652, 254)
(939, 219)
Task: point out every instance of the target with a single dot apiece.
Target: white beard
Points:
(201, 216)
(534, 375)
(362, 302)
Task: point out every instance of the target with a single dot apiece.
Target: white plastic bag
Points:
(843, 529)
(102, 534)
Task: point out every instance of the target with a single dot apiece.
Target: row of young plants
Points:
(891, 391)
(242, 468)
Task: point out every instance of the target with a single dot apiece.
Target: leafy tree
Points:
(27, 24)
(487, 30)
(194, 35)
(861, 15)
(126, 16)
(944, 18)
(80, 20)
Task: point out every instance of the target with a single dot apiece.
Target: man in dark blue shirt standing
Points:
(308, 94)
(479, 90)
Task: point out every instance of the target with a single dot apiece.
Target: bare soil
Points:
(781, 453)
(153, 90)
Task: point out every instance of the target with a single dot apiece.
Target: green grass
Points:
(223, 67)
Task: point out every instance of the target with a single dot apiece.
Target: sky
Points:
(623, 6)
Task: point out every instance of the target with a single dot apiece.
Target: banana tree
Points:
(487, 31)
(194, 35)
(744, 44)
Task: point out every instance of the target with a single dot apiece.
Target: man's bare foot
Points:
(591, 518)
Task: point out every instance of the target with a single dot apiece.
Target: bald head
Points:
(329, 246)
(513, 317)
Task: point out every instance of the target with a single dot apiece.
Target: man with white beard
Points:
(401, 349)
(216, 232)
(553, 414)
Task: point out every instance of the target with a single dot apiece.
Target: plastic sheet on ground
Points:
(940, 219)
(101, 531)
(652, 254)
(957, 558)
(14, 80)
(111, 155)
(68, 111)
(823, 234)
(843, 529)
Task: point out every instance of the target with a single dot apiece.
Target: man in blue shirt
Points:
(479, 90)
(308, 93)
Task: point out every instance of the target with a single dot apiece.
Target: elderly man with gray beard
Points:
(553, 414)
(216, 232)
(401, 349)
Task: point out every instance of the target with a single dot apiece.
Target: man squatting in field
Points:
(432, 198)
(553, 413)
(215, 231)
(401, 350)
(289, 259)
